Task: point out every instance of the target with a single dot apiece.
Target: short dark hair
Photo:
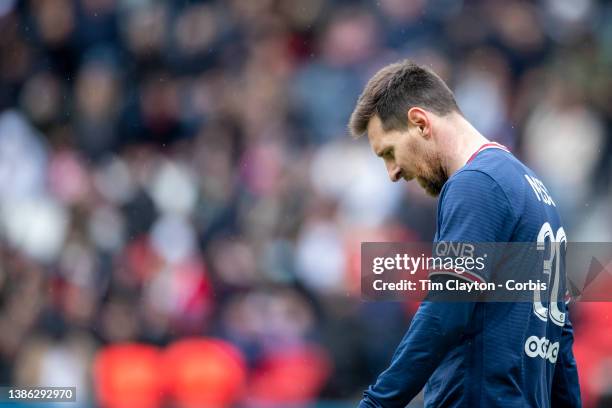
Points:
(396, 88)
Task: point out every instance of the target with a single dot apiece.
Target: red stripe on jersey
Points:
(491, 145)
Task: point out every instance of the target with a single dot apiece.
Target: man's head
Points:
(398, 109)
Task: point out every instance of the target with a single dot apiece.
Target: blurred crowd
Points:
(181, 169)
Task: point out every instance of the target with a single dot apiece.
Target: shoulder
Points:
(503, 167)
(494, 172)
(470, 177)
(473, 207)
(493, 181)
(470, 184)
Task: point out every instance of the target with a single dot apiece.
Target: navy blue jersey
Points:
(512, 354)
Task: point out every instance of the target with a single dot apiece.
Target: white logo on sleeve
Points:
(542, 347)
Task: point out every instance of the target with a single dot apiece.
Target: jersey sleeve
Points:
(565, 388)
(435, 328)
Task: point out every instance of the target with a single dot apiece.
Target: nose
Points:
(395, 173)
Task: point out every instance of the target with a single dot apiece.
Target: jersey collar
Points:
(490, 145)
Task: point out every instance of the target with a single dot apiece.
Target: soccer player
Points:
(467, 354)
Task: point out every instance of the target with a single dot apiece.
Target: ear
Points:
(419, 118)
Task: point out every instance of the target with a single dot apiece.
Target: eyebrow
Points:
(382, 151)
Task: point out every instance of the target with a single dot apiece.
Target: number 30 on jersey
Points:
(554, 246)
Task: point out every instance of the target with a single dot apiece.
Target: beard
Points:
(433, 178)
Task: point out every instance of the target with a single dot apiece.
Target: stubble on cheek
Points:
(434, 177)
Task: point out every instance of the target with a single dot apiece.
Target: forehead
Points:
(377, 137)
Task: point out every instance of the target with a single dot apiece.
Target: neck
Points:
(459, 140)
